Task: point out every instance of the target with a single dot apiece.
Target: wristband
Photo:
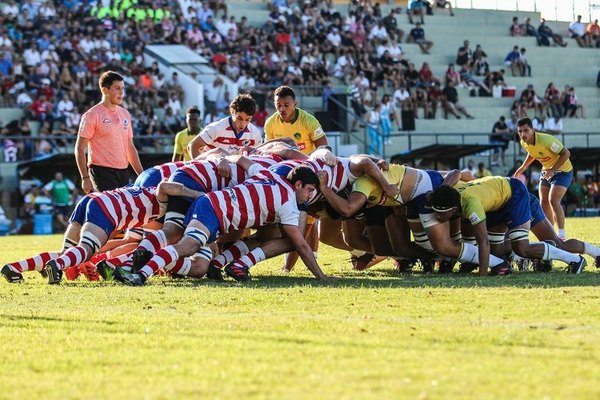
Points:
(85, 177)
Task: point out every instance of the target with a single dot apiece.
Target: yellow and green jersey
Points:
(545, 149)
(304, 129)
(373, 192)
(182, 139)
(483, 195)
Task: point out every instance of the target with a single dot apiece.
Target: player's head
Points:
(192, 118)
(525, 130)
(285, 103)
(112, 87)
(445, 202)
(242, 108)
(305, 181)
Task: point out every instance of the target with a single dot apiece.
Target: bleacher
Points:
(563, 66)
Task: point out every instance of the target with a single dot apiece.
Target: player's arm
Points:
(321, 142)
(166, 189)
(346, 207)
(452, 177)
(563, 157)
(324, 154)
(528, 160)
(80, 159)
(360, 166)
(133, 157)
(481, 237)
(304, 250)
(196, 145)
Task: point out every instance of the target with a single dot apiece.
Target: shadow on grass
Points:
(384, 279)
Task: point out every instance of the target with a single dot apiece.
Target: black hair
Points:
(525, 121)
(303, 174)
(285, 91)
(444, 197)
(243, 103)
(193, 110)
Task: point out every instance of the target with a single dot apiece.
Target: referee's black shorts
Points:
(106, 178)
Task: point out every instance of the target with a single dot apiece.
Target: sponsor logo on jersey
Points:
(125, 122)
(297, 136)
(106, 121)
(554, 147)
(474, 219)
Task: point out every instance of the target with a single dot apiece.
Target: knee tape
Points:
(518, 234)
(90, 240)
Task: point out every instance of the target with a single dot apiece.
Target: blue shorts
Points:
(419, 204)
(560, 178)
(282, 170)
(78, 214)
(516, 211)
(202, 211)
(149, 178)
(537, 214)
(95, 215)
(187, 181)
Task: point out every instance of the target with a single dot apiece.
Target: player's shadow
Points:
(390, 279)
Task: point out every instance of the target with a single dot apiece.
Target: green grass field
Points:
(371, 335)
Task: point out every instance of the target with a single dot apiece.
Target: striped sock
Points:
(35, 263)
(234, 252)
(119, 260)
(154, 241)
(164, 257)
(74, 256)
(181, 266)
(251, 259)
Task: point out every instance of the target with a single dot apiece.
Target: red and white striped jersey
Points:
(129, 207)
(338, 176)
(153, 176)
(265, 198)
(205, 173)
(221, 134)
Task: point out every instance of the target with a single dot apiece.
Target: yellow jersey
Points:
(304, 129)
(373, 192)
(483, 195)
(545, 149)
(182, 139)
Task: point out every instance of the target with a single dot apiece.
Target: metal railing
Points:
(552, 10)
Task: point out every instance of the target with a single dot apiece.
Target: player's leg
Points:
(557, 192)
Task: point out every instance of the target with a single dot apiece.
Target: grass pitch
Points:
(371, 335)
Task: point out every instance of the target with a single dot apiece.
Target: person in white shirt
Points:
(554, 125)
(64, 107)
(32, 56)
(10, 8)
(334, 37)
(577, 31)
(175, 104)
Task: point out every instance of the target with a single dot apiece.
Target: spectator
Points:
(577, 31)
(552, 101)
(592, 191)
(479, 64)
(472, 83)
(546, 33)
(471, 167)
(434, 94)
(387, 115)
(451, 104)
(444, 4)
(356, 101)
(515, 29)
(60, 190)
(523, 59)
(452, 75)
(574, 108)
(482, 171)
(529, 30)
(513, 59)
(554, 125)
(500, 136)
(529, 100)
(416, 7)
(420, 99)
(593, 32)
(464, 54)
(417, 35)
(374, 119)
(391, 25)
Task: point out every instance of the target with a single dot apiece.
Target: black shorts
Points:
(106, 178)
(376, 216)
(62, 210)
